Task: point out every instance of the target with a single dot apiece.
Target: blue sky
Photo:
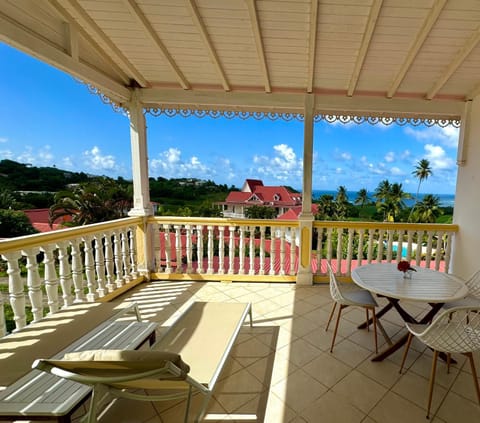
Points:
(47, 118)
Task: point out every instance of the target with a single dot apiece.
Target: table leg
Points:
(387, 307)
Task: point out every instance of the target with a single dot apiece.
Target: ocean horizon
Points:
(446, 200)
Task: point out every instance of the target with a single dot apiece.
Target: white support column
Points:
(467, 195)
(141, 187)
(305, 220)
(138, 145)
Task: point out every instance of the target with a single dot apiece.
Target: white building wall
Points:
(466, 257)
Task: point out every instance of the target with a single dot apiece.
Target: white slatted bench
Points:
(42, 396)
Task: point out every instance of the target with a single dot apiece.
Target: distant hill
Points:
(16, 176)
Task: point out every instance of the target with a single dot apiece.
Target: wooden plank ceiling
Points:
(241, 54)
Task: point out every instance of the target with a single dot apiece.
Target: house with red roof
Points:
(254, 193)
(39, 218)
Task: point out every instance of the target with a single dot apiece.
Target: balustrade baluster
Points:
(15, 289)
(200, 268)
(178, 247)
(282, 250)
(3, 323)
(34, 284)
(168, 248)
(371, 238)
(188, 235)
(380, 245)
(132, 245)
(251, 247)
(438, 249)
(409, 244)
(319, 250)
(400, 235)
(273, 251)
(241, 251)
(448, 249)
(100, 265)
(65, 274)
(92, 294)
(418, 255)
(329, 245)
(117, 257)
(361, 233)
(77, 271)
(127, 275)
(210, 249)
(389, 245)
(221, 250)
(109, 264)
(339, 250)
(262, 250)
(351, 234)
(50, 278)
(293, 251)
(428, 257)
(231, 250)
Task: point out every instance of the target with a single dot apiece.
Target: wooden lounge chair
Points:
(188, 358)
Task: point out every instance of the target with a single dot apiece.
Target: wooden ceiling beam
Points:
(198, 21)
(31, 43)
(455, 63)
(109, 48)
(147, 28)
(257, 35)
(427, 25)
(312, 44)
(367, 37)
(73, 29)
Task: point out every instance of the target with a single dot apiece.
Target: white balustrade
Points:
(58, 267)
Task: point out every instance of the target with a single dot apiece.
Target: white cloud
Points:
(447, 136)
(3, 140)
(438, 158)
(170, 164)
(346, 156)
(283, 166)
(396, 171)
(95, 160)
(390, 157)
(6, 154)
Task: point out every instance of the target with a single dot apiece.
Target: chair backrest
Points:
(454, 330)
(473, 284)
(335, 291)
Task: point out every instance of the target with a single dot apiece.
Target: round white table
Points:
(425, 285)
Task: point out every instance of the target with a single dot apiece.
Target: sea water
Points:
(446, 200)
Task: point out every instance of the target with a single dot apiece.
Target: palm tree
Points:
(326, 208)
(422, 172)
(341, 202)
(96, 201)
(397, 198)
(428, 210)
(362, 197)
(382, 191)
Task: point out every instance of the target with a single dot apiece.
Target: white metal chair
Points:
(456, 330)
(345, 297)
(473, 297)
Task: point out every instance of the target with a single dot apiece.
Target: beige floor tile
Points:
(393, 408)
(332, 407)
(350, 353)
(355, 382)
(415, 389)
(277, 411)
(423, 367)
(327, 369)
(464, 386)
(458, 409)
(299, 390)
(302, 326)
(300, 352)
(384, 372)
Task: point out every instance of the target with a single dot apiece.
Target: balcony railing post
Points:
(51, 278)
(109, 267)
(77, 271)
(90, 269)
(34, 284)
(200, 268)
(15, 289)
(100, 265)
(3, 324)
(65, 274)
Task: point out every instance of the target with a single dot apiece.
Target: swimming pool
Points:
(404, 249)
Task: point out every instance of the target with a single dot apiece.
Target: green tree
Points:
(7, 200)
(427, 210)
(362, 198)
(100, 200)
(390, 199)
(260, 212)
(382, 191)
(341, 203)
(326, 208)
(15, 223)
(422, 172)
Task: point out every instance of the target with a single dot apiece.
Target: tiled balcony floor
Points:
(281, 370)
